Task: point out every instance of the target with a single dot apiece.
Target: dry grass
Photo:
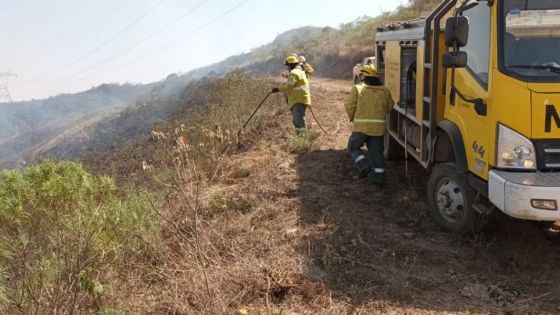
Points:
(232, 236)
(302, 143)
(226, 247)
(228, 229)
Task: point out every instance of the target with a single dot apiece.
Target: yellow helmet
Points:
(369, 71)
(291, 59)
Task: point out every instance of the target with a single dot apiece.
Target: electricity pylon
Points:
(5, 95)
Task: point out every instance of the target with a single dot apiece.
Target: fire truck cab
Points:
(478, 90)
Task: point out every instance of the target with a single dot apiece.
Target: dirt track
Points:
(380, 252)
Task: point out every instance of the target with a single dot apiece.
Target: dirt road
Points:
(380, 252)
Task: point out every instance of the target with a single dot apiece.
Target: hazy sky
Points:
(65, 46)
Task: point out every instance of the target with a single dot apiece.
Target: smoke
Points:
(69, 125)
(28, 129)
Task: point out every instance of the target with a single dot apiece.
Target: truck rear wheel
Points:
(393, 149)
(356, 80)
(451, 197)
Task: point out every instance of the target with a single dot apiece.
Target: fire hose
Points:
(320, 126)
(310, 108)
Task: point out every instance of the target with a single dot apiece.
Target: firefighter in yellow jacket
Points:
(297, 89)
(306, 67)
(367, 107)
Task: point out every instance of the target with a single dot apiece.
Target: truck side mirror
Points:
(457, 31)
(454, 59)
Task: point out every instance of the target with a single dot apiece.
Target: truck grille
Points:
(552, 159)
(548, 154)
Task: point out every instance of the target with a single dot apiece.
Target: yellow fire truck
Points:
(478, 90)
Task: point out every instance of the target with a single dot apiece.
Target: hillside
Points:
(332, 51)
(27, 127)
(65, 126)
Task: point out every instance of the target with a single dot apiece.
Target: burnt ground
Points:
(379, 251)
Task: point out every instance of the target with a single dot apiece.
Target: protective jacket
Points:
(297, 88)
(367, 106)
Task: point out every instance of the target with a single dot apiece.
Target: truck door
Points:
(473, 82)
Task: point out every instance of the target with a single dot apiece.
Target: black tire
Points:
(356, 80)
(451, 197)
(393, 151)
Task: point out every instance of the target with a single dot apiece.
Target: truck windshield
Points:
(531, 39)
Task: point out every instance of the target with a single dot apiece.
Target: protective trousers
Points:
(375, 146)
(298, 117)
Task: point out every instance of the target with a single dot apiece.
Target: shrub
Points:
(63, 233)
(301, 143)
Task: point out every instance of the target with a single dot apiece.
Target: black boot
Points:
(363, 168)
(377, 179)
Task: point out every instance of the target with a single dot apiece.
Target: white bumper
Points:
(512, 193)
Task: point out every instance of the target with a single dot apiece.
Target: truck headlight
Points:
(514, 150)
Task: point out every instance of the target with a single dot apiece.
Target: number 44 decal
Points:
(478, 149)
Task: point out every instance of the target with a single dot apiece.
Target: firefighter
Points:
(367, 107)
(285, 73)
(298, 92)
(305, 66)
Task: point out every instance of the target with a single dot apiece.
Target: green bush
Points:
(64, 233)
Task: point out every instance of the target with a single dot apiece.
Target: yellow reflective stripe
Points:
(301, 88)
(375, 121)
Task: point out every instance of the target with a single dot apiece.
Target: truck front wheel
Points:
(450, 197)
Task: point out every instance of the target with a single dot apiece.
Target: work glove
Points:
(275, 90)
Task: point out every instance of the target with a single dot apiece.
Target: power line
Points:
(112, 38)
(139, 42)
(176, 41)
(158, 4)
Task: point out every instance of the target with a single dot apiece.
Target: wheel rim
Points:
(450, 200)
